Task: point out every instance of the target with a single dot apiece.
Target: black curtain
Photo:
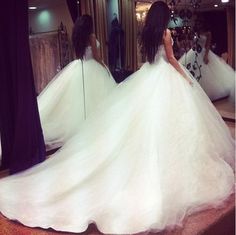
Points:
(73, 8)
(20, 128)
(217, 22)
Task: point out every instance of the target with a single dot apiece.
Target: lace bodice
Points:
(161, 53)
(88, 52)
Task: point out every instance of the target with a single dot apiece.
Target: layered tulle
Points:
(153, 152)
(70, 98)
(217, 77)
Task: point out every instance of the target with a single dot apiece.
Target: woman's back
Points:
(88, 55)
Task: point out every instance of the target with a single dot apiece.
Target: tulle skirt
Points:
(70, 98)
(153, 152)
(218, 78)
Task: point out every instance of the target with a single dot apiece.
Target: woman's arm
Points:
(171, 58)
(95, 50)
(207, 47)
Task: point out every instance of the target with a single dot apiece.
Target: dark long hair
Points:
(83, 28)
(156, 23)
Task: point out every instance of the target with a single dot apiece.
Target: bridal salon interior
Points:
(38, 60)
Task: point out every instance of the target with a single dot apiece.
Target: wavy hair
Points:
(83, 28)
(156, 23)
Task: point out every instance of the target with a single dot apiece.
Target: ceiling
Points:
(43, 4)
(143, 5)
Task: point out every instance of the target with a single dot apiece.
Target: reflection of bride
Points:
(215, 76)
(76, 90)
(157, 136)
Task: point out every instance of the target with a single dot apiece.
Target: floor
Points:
(209, 222)
(226, 109)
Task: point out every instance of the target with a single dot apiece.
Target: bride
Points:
(74, 92)
(217, 78)
(155, 138)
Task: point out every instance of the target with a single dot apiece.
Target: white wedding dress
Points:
(71, 97)
(218, 78)
(153, 152)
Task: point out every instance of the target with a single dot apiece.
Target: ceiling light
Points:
(215, 5)
(224, 1)
(32, 8)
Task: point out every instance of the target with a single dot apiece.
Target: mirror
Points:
(184, 16)
(197, 26)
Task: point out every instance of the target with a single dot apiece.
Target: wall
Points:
(44, 20)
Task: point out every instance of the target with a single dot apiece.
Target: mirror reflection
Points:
(202, 41)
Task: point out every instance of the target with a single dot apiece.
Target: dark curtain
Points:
(219, 34)
(20, 129)
(116, 46)
(128, 22)
(73, 8)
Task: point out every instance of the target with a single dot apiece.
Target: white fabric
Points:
(63, 106)
(88, 52)
(218, 78)
(153, 152)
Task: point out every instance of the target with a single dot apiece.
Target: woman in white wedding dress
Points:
(155, 151)
(215, 76)
(76, 90)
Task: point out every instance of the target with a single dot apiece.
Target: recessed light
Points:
(32, 8)
(215, 5)
(224, 1)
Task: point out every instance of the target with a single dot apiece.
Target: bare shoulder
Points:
(167, 34)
